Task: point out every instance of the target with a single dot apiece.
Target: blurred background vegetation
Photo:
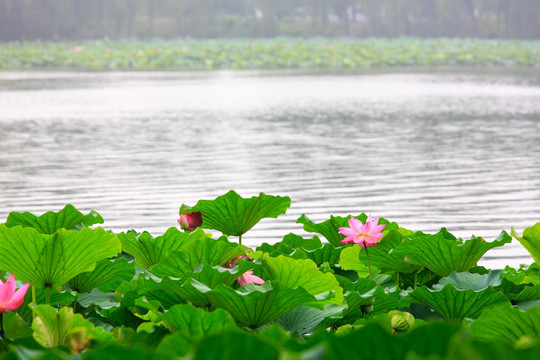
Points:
(116, 19)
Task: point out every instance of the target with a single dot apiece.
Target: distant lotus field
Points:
(357, 287)
(278, 53)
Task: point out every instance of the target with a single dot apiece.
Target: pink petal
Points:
(17, 299)
(256, 280)
(355, 224)
(377, 228)
(346, 231)
(8, 289)
(249, 278)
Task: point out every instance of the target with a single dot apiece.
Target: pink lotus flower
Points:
(249, 278)
(189, 222)
(78, 48)
(9, 298)
(362, 234)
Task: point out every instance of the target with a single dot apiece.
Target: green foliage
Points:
(304, 274)
(278, 53)
(454, 305)
(149, 251)
(234, 215)
(255, 305)
(204, 252)
(106, 276)
(509, 324)
(51, 260)
(530, 240)
(68, 218)
(184, 299)
(442, 253)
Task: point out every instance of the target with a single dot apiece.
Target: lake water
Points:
(459, 149)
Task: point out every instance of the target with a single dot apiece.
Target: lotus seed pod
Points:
(400, 321)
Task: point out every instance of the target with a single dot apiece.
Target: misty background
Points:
(87, 19)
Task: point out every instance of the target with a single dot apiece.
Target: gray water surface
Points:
(424, 149)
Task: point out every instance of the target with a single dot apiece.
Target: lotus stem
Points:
(397, 278)
(2, 332)
(415, 279)
(48, 295)
(240, 239)
(368, 263)
(34, 302)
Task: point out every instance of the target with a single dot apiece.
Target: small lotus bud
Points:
(400, 321)
(189, 222)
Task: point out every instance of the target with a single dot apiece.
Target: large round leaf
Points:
(149, 251)
(68, 218)
(530, 240)
(255, 305)
(204, 252)
(51, 260)
(442, 253)
(305, 274)
(454, 305)
(234, 215)
(106, 276)
(196, 323)
(507, 323)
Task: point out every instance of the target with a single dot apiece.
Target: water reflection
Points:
(424, 149)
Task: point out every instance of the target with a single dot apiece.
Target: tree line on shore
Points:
(83, 19)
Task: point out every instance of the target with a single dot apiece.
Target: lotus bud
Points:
(400, 321)
(189, 222)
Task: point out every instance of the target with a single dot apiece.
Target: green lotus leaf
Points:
(529, 293)
(304, 319)
(289, 243)
(52, 260)
(373, 342)
(116, 351)
(104, 300)
(467, 280)
(206, 275)
(156, 291)
(383, 257)
(188, 289)
(196, 323)
(56, 299)
(234, 215)
(235, 345)
(15, 326)
(507, 323)
(530, 240)
(305, 274)
(329, 228)
(386, 300)
(477, 349)
(68, 218)
(454, 305)
(349, 259)
(173, 346)
(326, 254)
(149, 251)
(442, 253)
(204, 252)
(256, 305)
(106, 276)
(53, 329)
